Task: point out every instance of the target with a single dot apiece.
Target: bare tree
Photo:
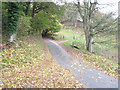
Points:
(87, 12)
(70, 13)
(92, 24)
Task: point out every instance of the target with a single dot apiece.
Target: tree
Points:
(14, 10)
(4, 17)
(46, 16)
(44, 23)
(24, 26)
(27, 8)
(86, 13)
(92, 24)
(41, 12)
(71, 13)
(40, 22)
(47, 7)
(118, 23)
(53, 27)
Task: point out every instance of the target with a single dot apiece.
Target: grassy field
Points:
(76, 36)
(104, 58)
(69, 34)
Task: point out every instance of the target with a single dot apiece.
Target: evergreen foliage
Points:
(14, 13)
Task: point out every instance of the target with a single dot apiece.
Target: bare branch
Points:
(79, 9)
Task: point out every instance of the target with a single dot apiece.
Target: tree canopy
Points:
(45, 16)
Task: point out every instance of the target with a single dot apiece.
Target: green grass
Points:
(79, 41)
(75, 36)
(68, 34)
(103, 63)
(115, 50)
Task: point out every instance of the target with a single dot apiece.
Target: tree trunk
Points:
(75, 24)
(86, 33)
(12, 37)
(27, 8)
(116, 38)
(89, 43)
(86, 14)
(89, 37)
(33, 11)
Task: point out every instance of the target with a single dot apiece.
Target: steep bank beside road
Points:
(30, 66)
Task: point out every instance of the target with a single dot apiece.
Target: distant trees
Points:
(71, 13)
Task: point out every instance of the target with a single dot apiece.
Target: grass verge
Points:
(105, 60)
(106, 65)
(107, 49)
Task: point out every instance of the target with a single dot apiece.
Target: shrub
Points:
(24, 26)
(55, 26)
(40, 22)
(45, 23)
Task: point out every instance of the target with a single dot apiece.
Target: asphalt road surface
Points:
(90, 77)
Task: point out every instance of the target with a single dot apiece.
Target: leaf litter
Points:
(27, 67)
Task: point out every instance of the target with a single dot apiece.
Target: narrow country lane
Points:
(90, 77)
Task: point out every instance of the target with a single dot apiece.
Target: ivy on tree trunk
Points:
(14, 9)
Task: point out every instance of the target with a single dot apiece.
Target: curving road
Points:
(90, 77)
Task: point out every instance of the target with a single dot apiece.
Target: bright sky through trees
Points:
(111, 7)
(105, 6)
